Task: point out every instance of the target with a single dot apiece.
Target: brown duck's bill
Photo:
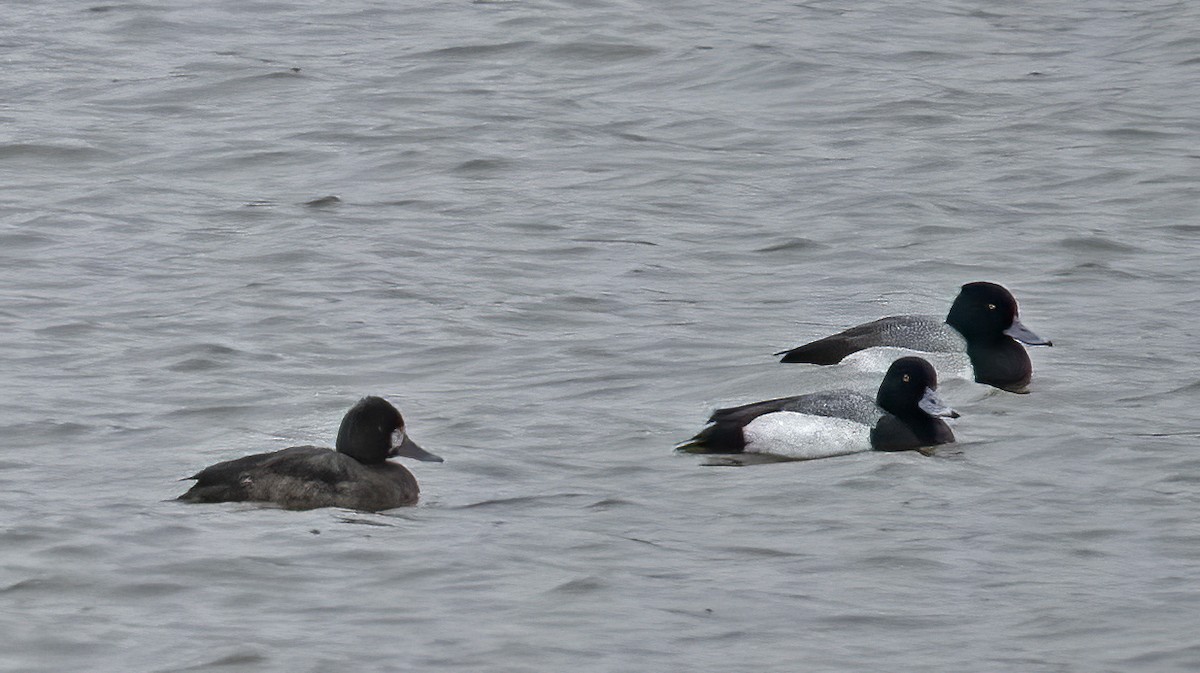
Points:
(409, 449)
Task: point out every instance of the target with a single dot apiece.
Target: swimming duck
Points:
(905, 414)
(357, 475)
(982, 322)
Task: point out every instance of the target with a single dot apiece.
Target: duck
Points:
(983, 322)
(355, 475)
(905, 414)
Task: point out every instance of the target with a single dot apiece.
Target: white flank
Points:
(803, 436)
(879, 358)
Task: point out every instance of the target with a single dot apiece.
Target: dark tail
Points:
(823, 352)
(716, 438)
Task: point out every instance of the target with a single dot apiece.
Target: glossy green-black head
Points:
(985, 311)
(909, 388)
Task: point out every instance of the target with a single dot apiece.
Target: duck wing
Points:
(238, 479)
(916, 332)
(847, 404)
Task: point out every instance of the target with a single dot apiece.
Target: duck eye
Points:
(991, 307)
(905, 378)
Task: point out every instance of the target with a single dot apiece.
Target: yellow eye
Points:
(991, 307)
(905, 377)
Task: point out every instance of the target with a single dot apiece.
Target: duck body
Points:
(906, 414)
(306, 477)
(982, 322)
(357, 475)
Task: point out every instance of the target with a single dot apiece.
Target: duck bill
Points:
(409, 449)
(932, 404)
(1025, 335)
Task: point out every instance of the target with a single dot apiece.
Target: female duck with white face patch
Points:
(357, 475)
(906, 414)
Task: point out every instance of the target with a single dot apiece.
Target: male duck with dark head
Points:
(357, 475)
(906, 414)
(982, 322)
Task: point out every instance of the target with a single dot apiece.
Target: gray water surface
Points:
(563, 232)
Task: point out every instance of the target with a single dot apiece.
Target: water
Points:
(563, 232)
